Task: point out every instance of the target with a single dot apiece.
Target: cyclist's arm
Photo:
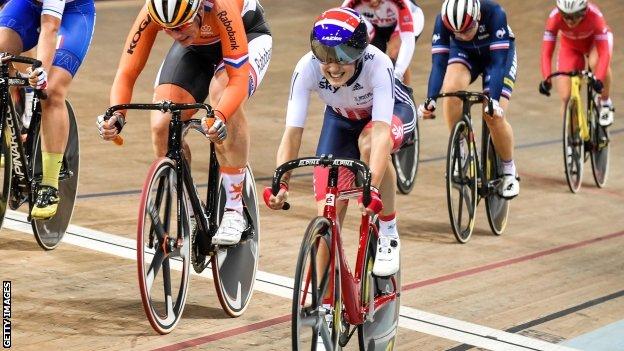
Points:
(549, 42)
(439, 57)
(235, 56)
(133, 58)
(408, 43)
(601, 40)
(499, 50)
(383, 105)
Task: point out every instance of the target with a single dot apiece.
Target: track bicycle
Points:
(583, 136)
(329, 302)
(20, 150)
(175, 229)
(470, 177)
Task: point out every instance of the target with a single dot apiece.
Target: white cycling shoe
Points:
(510, 187)
(606, 115)
(387, 258)
(232, 226)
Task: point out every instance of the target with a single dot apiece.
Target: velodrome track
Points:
(554, 276)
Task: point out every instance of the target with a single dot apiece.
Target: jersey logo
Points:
(231, 33)
(501, 33)
(481, 28)
(324, 84)
(368, 56)
(137, 35)
(357, 86)
(435, 38)
(398, 132)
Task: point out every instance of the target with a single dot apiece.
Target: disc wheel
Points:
(312, 324)
(496, 207)
(600, 149)
(573, 147)
(381, 332)
(405, 162)
(163, 247)
(234, 267)
(461, 182)
(49, 233)
(5, 173)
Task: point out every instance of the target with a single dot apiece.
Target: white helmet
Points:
(172, 13)
(571, 6)
(459, 15)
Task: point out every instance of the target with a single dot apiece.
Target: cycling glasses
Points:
(342, 54)
(573, 16)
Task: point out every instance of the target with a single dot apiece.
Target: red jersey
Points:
(592, 30)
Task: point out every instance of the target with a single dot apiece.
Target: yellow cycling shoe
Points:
(46, 203)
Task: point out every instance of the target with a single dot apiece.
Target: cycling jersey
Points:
(75, 33)
(490, 53)
(224, 23)
(393, 17)
(577, 42)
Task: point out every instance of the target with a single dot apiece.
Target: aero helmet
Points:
(339, 35)
(172, 13)
(459, 15)
(571, 6)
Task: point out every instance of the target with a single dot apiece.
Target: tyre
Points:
(496, 207)
(49, 233)
(405, 162)
(600, 149)
(5, 173)
(461, 181)
(573, 147)
(381, 332)
(234, 267)
(315, 285)
(163, 247)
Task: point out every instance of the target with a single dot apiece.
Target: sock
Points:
(51, 168)
(509, 168)
(233, 181)
(606, 102)
(387, 225)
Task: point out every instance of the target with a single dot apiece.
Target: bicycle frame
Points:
(575, 95)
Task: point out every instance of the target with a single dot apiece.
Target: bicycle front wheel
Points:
(573, 147)
(497, 207)
(461, 181)
(49, 233)
(5, 173)
(600, 148)
(316, 285)
(405, 162)
(163, 246)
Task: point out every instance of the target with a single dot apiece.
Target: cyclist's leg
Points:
(457, 77)
(568, 60)
(606, 105)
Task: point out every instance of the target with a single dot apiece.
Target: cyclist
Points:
(368, 115)
(397, 24)
(584, 33)
(472, 38)
(62, 32)
(222, 49)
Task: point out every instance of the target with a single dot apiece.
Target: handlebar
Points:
(584, 73)
(356, 166)
(20, 81)
(468, 97)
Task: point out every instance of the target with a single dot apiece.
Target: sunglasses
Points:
(573, 16)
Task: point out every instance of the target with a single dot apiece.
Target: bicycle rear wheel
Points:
(573, 147)
(600, 148)
(234, 267)
(314, 281)
(49, 233)
(405, 162)
(163, 247)
(5, 173)
(381, 332)
(497, 208)
(461, 181)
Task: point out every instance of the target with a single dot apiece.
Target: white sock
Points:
(388, 228)
(233, 181)
(509, 168)
(606, 102)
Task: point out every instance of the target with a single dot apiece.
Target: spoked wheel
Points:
(381, 332)
(573, 148)
(600, 149)
(49, 233)
(497, 208)
(234, 267)
(461, 181)
(163, 247)
(314, 282)
(5, 174)
(405, 162)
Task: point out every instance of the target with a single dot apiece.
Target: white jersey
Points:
(54, 7)
(370, 93)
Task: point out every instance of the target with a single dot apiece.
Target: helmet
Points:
(571, 6)
(172, 13)
(339, 35)
(459, 15)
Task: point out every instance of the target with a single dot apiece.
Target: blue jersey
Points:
(491, 52)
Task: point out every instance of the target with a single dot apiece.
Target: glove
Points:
(279, 199)
(426, 109)
(214, 128)
(497, 111)
(597, 85)
(544, 87)
(109, 128)
(38, 78)
(375, 206)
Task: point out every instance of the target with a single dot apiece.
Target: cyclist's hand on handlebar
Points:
(597, 85)
(215, 129)
(544, 87)
(375, 206)
(426, 109)
(109, 128)
(497, 110)
(275, 202)
(38, 78)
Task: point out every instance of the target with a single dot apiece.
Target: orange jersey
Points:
(221, 22)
